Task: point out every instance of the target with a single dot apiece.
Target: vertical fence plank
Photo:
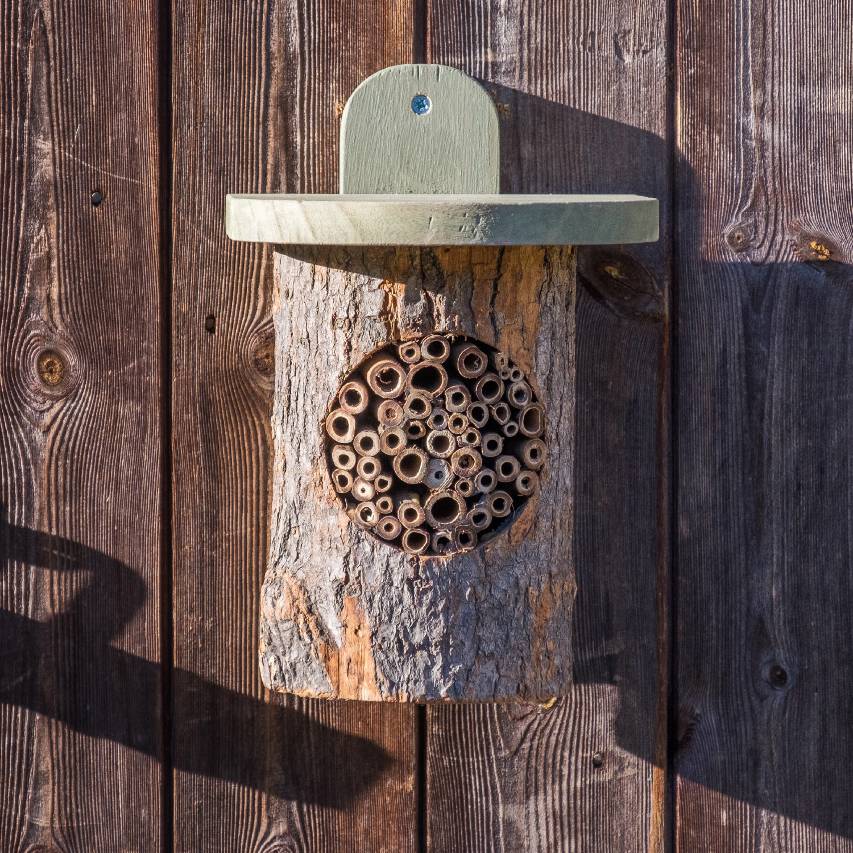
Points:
(258, 90)
(765, 460)
(80, 699)
(581, 90)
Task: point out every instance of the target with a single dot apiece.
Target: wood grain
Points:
(258, 91)
(347, 615)
(79, 429)
(582, 97)
(765, 374)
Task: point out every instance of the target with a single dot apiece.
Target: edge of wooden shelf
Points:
(441, 220)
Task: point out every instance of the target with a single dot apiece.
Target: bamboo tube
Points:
(500, 412)
(457, 398)
(388, 527)
(385, 376)
(466, 462)
(464, 537)
(343, 457)
(389, 413)
(519, 394)
(342, 481)
(505, 373)
(415, 541)
(418, 405)
(409, 352)
(441, 443)
(437, 419)
(366, 442)
(365, 514)
(427, 376)
(507, 468)
(486, 481)
(354, 397)
(368, 468)
(383, 484)
(470, 361)
(531, 420)
(411, 513)
(384, 504)
(415, 430)
(515, 374)
(526, 483)
(533, 453)
(438, 474)
(457, 423)
(442, 542)
(410, 465)
(363, 490)
(444, 509)
(491, 444)
(469, 438)
(478, 414)
(392, 441)
(479, 517)
(510, 429)
(500, 360)
(489, 388)
(500, 504)
(465, 487)
(340, 426)
(435, 348)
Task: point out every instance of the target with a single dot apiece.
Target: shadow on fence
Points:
(67, 669)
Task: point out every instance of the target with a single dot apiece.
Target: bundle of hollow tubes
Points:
(435, 444)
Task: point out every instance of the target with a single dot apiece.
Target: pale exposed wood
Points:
(80, 723)
(387, 147)
(765, 460)
(257, 95)
(446, 220)
(581, 92)
(345, 615)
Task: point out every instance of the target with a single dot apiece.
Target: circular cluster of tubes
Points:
(435, 444)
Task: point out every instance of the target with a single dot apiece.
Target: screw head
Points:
(421, 105)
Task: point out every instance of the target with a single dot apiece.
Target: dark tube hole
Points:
(479, 518)
(410, 464)
(352, 397)
(490, 389)
(440, 443)
(445, 510)
(472, 362)
(416, 540)
(427, 378)
(388, 378)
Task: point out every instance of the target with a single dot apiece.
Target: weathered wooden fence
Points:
(714, 533)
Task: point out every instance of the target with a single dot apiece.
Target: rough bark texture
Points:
(346, 616)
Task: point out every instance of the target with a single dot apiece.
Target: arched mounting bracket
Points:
(420, 167)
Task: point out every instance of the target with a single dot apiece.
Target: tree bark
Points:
(346, 616)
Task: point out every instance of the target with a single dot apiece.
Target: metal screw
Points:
(421, 105)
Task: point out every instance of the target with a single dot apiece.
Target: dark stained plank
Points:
(764, 424)
(582, 94)
(258, 90)
(80, 365)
